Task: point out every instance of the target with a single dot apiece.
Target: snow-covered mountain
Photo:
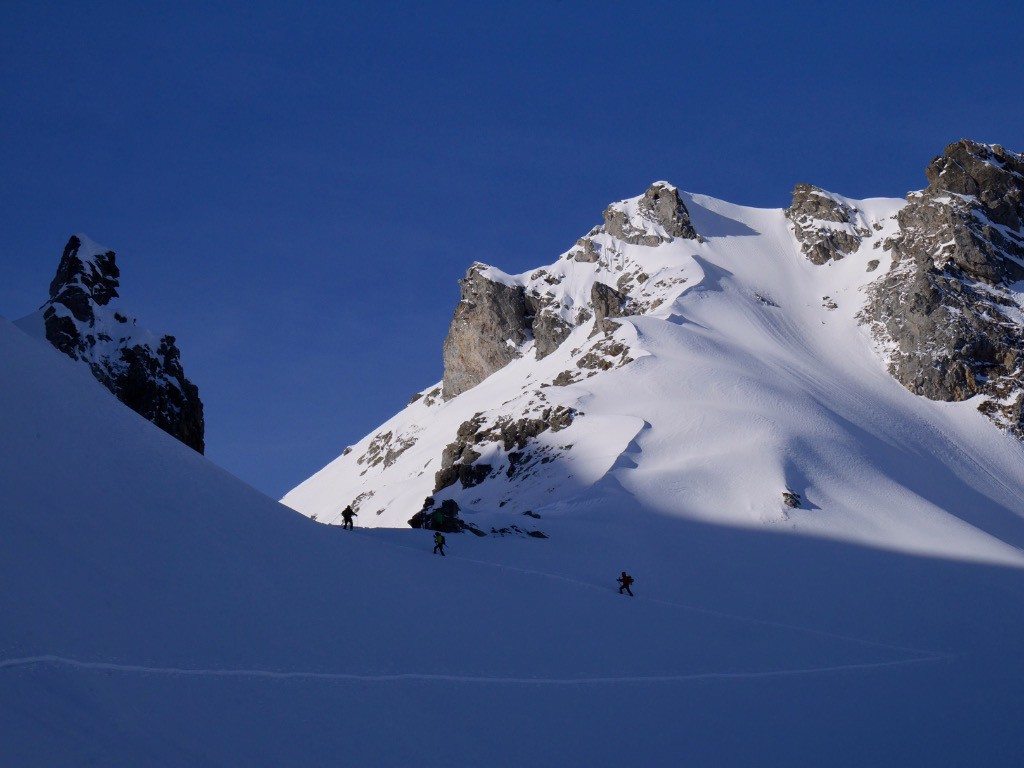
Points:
(159, 612)
(84, 320)
(739, 366)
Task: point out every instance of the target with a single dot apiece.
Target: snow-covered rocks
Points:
(657, 217)
(500, 317)
(949, 312)
(826, 225)
(702, 375)
(142, 369)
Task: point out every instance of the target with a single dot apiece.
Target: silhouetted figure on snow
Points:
(439, 543)
(625, 580)
(346, 515)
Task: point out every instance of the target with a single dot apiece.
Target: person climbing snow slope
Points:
(625, 580)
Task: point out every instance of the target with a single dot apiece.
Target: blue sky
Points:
(293, 189)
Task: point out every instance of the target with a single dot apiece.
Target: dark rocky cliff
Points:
(141, 369)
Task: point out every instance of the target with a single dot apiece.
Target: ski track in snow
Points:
(102, 666)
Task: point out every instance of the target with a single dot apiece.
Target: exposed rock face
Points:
(585, 251)
(946, 311)
(661, 206)
(825, 226)
(143, 370)
(549, 330)
(386, 448)
(490, 323)
(80, 283)
(607, 302)
(498, 314)
(988, 172)
(458, 457)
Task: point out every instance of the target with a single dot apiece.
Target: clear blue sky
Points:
(293, 189)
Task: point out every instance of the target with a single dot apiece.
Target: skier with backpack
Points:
(625, 580)
(439, 543)
(346, 516)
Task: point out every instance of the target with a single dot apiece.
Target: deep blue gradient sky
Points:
(294, 189)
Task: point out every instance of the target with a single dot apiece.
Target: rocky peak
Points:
(87, 275)
(141, 369)
(985, 171)
(661, 204)
(498, 315)
(970, 216)
(657, 217)
(827, 227)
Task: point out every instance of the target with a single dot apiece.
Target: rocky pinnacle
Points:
(143, 371)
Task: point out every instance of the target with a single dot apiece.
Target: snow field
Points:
(159, 612)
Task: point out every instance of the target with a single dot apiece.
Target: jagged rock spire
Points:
(87, 273)
(141, 369)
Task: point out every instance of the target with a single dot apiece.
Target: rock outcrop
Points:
(141, 369)
(513, 436)
(607, 303)
(826, 227)
(946, 312)
(442, 517)
(661, 206)
(498, 314)
(549, 330)
(491, 322)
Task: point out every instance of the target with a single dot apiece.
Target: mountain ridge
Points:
(768, 306)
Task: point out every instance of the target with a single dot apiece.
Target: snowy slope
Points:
(159, 612)
(745, 373)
